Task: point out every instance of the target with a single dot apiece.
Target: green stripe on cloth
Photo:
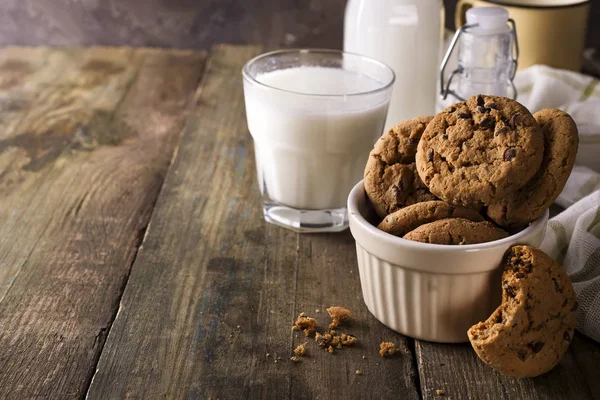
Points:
(589, 90)
(595, 221)
(525, 90)
(562, 241)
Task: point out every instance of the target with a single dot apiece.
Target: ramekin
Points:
(428, 291)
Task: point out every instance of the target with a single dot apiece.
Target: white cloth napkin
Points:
(573, 236)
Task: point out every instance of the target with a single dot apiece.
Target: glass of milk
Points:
(314, 116)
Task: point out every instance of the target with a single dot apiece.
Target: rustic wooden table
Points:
(135, 262)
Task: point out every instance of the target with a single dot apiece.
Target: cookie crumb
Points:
(330, 349)
(439, 393)
(295, 359)
(323, 340)
(387, 349)
(348, 340)
(275, 361)
(364, 357)
(239, 327)
(268, 355)
(300, 350)
(358, 372)
(338, 315)
(307, 324)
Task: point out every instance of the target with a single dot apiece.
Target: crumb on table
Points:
(358, 372)
(295, 359)
(307, 324)
(439, 392)
(300, 350)
(348, 340)
(338, 314)
(387, 349)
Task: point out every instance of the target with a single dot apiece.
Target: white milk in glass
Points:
(311, 151)
(407, 36)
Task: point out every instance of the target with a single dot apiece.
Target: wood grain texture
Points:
(188, 23)
(81, 163)
(210, 264)
(456, 370)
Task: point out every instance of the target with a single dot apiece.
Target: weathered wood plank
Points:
(327, 276)
(92, 148)
(210, 264)
(456, 370)
(587, 355)
(59, 111)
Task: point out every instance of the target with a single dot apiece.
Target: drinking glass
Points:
(314, 115)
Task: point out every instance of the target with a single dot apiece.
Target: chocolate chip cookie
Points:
(406, 219)
(532, 200)
(456, 231)
(391, 179)
(531, 330)
(480, 150)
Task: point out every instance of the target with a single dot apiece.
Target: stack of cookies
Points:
(473, 173)
(479, 171)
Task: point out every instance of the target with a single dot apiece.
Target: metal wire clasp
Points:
(445, 87)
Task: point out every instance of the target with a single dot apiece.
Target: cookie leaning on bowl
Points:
(531, 330)
(532, 200)
(406, 219)
(391, 179)
(478, 151)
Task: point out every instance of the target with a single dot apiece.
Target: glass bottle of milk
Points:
(407, 35)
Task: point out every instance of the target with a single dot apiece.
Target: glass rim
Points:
(247, 76)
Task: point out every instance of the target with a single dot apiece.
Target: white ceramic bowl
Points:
(429, 291)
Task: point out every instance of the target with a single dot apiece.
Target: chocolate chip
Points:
(492, 105)
(445, 137)
(514, 121)
(464, 115)
(567, 337)
(499, 318)
(500, 130)
(520, 275)
(480, 101)
(430, 156)
(452, 109)
(481, 109)
(509, 154)
(575, 306)
(487, 123)
(536, 347)
(522, 354)
(556, 286)
(510, 291)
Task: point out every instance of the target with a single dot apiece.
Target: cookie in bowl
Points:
(406, 219)
(529, 202)
(456, 232)
(391, 179)
(478, 151)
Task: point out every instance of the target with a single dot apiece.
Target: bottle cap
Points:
(489, 19)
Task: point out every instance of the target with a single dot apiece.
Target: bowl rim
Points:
(388, 238)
